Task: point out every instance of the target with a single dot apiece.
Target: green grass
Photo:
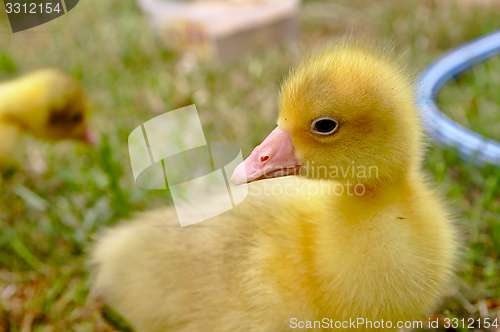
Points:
(479, 112)
(51, 208)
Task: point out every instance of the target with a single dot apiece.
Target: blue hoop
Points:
(471, 145)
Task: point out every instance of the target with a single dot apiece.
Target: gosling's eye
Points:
(77, 118)
(324, 126)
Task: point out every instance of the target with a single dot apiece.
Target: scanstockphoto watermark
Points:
(309, 189)
(358, 323)
(363, 323)
(360, 172)
(197, 173)
(332, 180)
(26, 14)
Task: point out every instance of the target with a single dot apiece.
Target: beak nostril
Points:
(264, 158)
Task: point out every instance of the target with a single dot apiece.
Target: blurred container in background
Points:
(222, 29)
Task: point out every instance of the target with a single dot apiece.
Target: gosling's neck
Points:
(363, 198)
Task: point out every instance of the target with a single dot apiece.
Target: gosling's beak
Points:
(275, 157)
(88, 136)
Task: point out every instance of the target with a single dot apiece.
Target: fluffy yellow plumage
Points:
(383, 250)
(47, 103)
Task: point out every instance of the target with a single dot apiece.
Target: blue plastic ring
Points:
(442, 129)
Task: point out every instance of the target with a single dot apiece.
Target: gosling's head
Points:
(50, 105)
(348, 106)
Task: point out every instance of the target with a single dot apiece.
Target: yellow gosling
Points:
(47, 103)
(383, 248)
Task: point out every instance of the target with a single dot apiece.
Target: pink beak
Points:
(89, 136)
(275, 157)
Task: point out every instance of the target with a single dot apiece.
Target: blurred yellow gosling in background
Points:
(48, 104)
(383, 249)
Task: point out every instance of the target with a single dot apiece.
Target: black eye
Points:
(324, 126)
(76, 118)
